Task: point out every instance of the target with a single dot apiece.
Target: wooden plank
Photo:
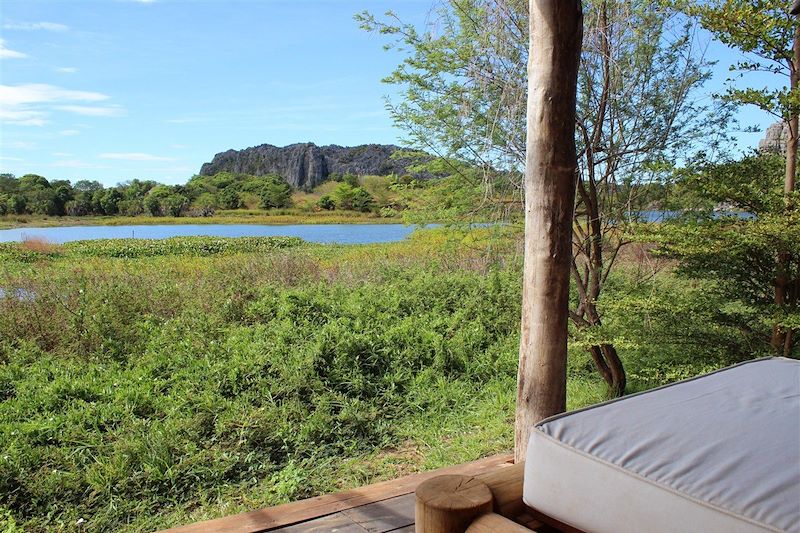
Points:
(528, 521)
(304, 510)
(493, 523)
(335, 523)
(506, 486)
(388, 515)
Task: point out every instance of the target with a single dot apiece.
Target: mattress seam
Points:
(668, 385)
(673, 490)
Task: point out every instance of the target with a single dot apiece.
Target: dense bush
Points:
(150, 391)
(345, 196)
(129, 390)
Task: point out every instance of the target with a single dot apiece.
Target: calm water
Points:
(322, 233)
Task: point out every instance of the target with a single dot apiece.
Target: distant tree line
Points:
(32, 194)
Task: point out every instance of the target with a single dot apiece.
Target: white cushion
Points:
(718, 453)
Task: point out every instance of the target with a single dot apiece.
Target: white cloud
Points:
(181, 120)
(69, 133)
(5, 53)
(91, 111)
(22, 117)
(61, 154)
(66, 70)
(75, 163)
(30, 104)
(134, 156)
(35, 93)
(29, 26)
(6, 158)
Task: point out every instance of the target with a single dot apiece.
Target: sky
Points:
(113, 90)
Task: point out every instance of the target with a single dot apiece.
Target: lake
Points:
(321, 233)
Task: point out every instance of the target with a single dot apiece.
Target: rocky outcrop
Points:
(775, 137)
(307, 165)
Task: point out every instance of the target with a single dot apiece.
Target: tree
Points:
(465, 98)
(63, 193)
(556, 30)
(770, 35)
(204, 205)
(350, 179)
(742, 256)
(87, 186)
(8, 183)
(326, 202)
(229, 198)
(109, 201)
(275, 193)
(346, 196)
(16, 204)
(163, 200)
(30, 182)
(174, 205)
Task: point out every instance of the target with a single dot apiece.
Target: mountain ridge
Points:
(306, 165)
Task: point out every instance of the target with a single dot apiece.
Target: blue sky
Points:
(114, 90)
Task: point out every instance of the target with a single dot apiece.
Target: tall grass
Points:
(143, 392)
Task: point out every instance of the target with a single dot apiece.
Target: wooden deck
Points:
(380, 508)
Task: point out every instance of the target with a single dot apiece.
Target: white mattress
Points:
(718, 453)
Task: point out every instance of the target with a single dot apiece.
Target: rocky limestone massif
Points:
(775, 138)
(307, 165)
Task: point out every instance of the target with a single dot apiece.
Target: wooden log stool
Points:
(448, 504)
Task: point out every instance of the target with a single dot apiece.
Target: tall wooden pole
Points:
(556, 31)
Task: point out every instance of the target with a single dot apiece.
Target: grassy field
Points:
(194, 380)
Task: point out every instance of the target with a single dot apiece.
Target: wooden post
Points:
(447, 504)
(556, 31)
(495, 523)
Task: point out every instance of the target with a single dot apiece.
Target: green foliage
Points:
(143, 392)
(275, 193)
(351, 180)
(109, 201)
(229, 199)
(753, 184)
(191, 383)
(762, 29)
(464, 86)
(742, 258)
(17, 204)
(129, 248)
(326, 202)
(352, 198)
(33, 194)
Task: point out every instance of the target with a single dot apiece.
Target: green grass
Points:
(144, 392)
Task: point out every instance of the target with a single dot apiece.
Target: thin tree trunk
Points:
(556, 30)
(781, 338)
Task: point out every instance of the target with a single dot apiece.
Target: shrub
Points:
(326, 202)
(353, 198)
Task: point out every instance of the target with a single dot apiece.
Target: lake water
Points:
(321, 233)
